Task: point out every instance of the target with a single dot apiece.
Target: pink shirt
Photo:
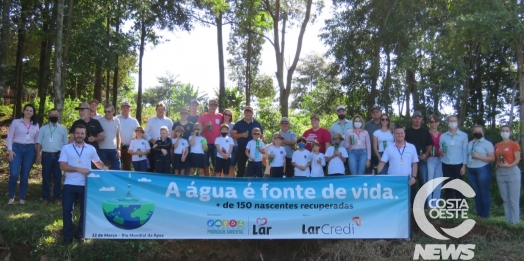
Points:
(360, 141)
(19, 132)
(321, 135)
(436, 143)
(216, 120)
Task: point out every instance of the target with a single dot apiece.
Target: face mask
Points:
(477, 135)
(336, 142)
(505, 135)
(224, 134)
(197, 133)
(341, 117)
(301, 145)
(358, 124)
(53, 119)
(453, 125)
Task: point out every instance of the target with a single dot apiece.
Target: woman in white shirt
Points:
(382, 138)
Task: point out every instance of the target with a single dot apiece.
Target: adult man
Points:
(402, 159)
(421, 138)
(51, 138)
(128, 125)
(193, 112)
(75, 160)
(372, 126)
(93, 109)
(94, 131)
(289, 139)
(242, 132)
(153, 130)
(110, 146)
(454, 155)
(342, 125)
(317, 133)
(211, 121)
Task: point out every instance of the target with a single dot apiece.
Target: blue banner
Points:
(140, 205)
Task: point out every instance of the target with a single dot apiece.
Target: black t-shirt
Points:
(93, 128)
(419, 137)
(187, 128)
(193, 119)
(162, 144)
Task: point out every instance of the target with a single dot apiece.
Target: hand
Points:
(91, 139)
(463, 170)
(11, 155)
(504, 165)
(423, 157)
(83, 171)
(105, 168)
(245, 134)
(475, 155)
(164, 151)
(337, 153)
(412, 181)
(319, 160)
(154, 146)
(38, 159)
(183, 159)
(226, 156)
(368, 163)
(272, 155)
(441, 151)
(251, 159)
(118, 154)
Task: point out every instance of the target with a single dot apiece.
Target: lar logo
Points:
(450, 208)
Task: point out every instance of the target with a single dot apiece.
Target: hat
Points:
(139, 128)
(183, 110)
(277, 135)
(416, 113)
(82, 105)
(376, 108)
(248, 108)
(341, 107)
(314, 116)
(125, 104)
(284, 119)
(255, 130)
(194, 101)
(301, 139)
(338, 136)
(315, 143)
(179, 128)
(223, 125)
(94, 100)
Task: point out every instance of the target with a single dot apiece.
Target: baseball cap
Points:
(341, 107)
(314, 116)
(82, 105)
(416, 113)
(125, 104)
(194, 101)
(94, 100)
(248, 108)
(284, 119)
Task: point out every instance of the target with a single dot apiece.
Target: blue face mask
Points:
(301, 145)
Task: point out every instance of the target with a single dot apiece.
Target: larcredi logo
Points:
(446, 209)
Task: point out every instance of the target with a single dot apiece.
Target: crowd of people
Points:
(196, 142)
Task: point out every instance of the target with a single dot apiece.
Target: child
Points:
(277, 157)
(180, 151)
(198, 145)
(336, 155)
(254, 150)
(302, 159)
(224, 147)
(318, 160)
(139, 149)
(162, 148)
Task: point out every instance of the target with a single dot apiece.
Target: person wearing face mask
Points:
(507, 155)
(359, 147)
(480, 155)
(51, 138)
(224, 146)
(454, 155)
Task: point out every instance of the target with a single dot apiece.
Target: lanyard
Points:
(473, 145)
(51, 130)
(79, 154)
(342, 127)
(358, 134)
(27, 126)
(403, 149)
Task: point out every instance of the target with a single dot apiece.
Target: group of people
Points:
(195, 142)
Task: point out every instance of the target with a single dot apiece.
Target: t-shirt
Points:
(321, 135)
(242, 126)
(336, 165)
(139, 145)
(77, 157)
(216, 120)
(400, 159)
(187, 128)
(382, 137)
(420, 138)
(371, 127)
(225, 144)
(111, 128)
(289, 135)
(280, 156)
(301, 158)
(436, 144)
(192, 119)
(253, 152)
(93, 128)
(482, 147)
(507, 150)
(196, 148)
(231, 125)
(317, 169)
(182, 144)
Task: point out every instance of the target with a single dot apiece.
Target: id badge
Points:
(452, 143)
(79, 163)
(359, 142)
(470, 158)
(27, 136)
(51, 139)
(401, 161)
(217, 121)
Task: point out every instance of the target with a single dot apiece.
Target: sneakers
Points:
(22, 202)
(57, 202)
(11, 201)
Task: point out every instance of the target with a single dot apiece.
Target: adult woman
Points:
(480, 155)
(357, 143)
(507, 154)
(228, 119)
(454, 155)
(382, 138)
(21, 140)
(434, 162)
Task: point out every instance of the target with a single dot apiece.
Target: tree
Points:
(234, 99)
(57, 81)
(4, 36)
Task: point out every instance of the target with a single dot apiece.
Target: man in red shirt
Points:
(210, 121)
(317, 133)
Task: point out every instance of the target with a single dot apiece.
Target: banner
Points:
(140, 205)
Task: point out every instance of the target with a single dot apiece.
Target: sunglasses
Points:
(256, 134)
(384, 119)
(433, 121)
(108, 111)
(229, 115)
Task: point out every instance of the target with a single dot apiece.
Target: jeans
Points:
(241, 162)
(509, 180)
(140, 165)
(211, 152)
(357, 161)
(480, 181)
(434, 171)
(51, 170)
(20, 166)
(452, 172)
(110, 155)
(386, 167)
(422, 172)
(70, 194)
(290, 170)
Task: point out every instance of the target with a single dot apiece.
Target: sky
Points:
(193, 56)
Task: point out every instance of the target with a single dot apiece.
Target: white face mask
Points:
(505, 135)
(453, 125)
(358, 125)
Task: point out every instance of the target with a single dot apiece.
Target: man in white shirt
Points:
(128, 126)
(153, 130)
(341, 126)
(75, 160)
(110, 146)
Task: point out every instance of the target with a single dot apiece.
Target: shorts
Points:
(196, 160)
(222, 165)
(178, 164)
(254, 169)
(277, 172)
(234, 156)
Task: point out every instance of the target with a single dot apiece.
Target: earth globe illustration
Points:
(128, 212)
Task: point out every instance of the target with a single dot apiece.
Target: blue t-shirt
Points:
(242, 126)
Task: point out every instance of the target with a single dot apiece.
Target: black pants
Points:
(163, 166)
(151, 158)
(241, 163)
(277, 172)
(452, 172)
(290, 170)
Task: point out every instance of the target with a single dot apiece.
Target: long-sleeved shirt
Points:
(19, 132)
(162, 144)
(456, 147)
(360, 141)
(153, 127)
(52, 137)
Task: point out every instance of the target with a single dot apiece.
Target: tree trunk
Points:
(108, 87)
(249, 78)
(520, 71)
(4, 41)
(65, 60)
(57, 86)
(221, 68)
(98, 82)
(387, 85)
(43, 69)
(115, 72)
(141, 56)
(19, 71)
